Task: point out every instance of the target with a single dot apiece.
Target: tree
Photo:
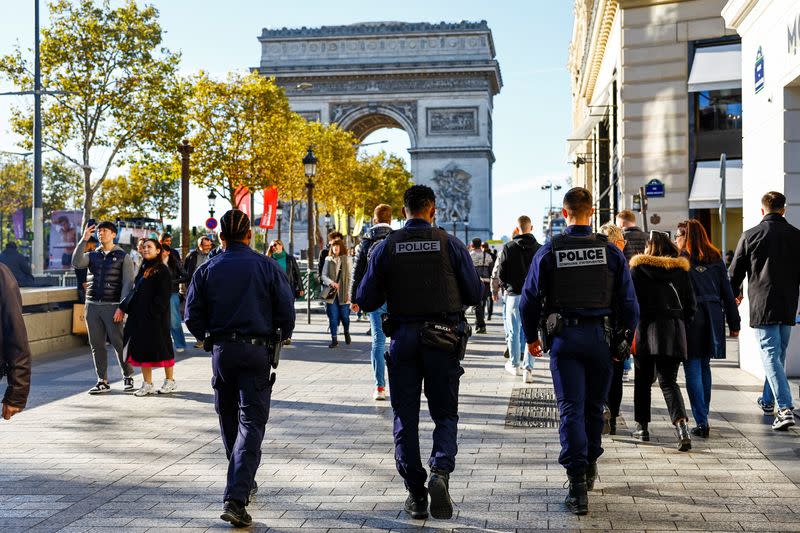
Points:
(16, 184)
(63, 186)
(241, 130)
(150, 188)
(116, 87)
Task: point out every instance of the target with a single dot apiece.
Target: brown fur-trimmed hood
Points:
(664, 263)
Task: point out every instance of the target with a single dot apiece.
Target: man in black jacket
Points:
(768, 255)
(635, 238)
(381, 220)
(511, 268)
(18, 264)
(15, 353)
(172, 258)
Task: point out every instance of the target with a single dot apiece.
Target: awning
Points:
(706, 185)
(716, 67)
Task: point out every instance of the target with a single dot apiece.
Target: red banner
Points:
(241, 199)
(270, 205)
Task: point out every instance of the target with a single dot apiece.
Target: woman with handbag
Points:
(147, 331)
(336, 276)
(667, 305)
(289, 265)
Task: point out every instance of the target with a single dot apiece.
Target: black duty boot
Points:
(700, 431)
(347, 338)
(641, 433)
(684, 440)
(334, 343)
(235, 513)
(578, 498)
(417, 504)
(439, 489)
(591, 475)
(612, 426)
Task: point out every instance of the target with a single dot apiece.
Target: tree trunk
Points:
(88, 196)
(291, 226)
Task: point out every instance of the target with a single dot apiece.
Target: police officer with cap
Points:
(579, 293)
(426, 278)
(241, 303)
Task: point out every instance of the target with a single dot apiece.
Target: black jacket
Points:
(19, 266)
(715, 305)
(190, 263)
(293, 273)
(769, 255)
(666, 304)
(515, 260)
(176, 270)
(373, 236)
(635, 241)
(15, 353)
(147, 329)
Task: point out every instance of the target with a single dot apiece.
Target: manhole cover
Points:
(531, 407)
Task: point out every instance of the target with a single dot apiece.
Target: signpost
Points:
(211, 223)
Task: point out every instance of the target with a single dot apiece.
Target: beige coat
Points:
(331, 272)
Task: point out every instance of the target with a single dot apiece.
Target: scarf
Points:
(281, 259)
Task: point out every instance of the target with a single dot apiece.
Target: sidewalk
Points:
(74, 462)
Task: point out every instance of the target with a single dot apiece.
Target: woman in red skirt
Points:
(147, 334)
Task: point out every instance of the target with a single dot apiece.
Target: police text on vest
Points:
(580, 257)
(414, 247)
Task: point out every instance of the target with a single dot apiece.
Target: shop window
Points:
(718, 123)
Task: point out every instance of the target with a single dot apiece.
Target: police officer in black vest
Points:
(241, 303)
(426, 278)
(579, 296)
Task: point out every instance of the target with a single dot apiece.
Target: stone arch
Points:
(369, 118)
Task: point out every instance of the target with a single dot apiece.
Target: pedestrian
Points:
(18, 264)
(705, 335)
(238, 302)
(425, 277)
(109, 281)
(81, 273)
(147, 329)
(15, 352)
(513, 263)
(667, 304)
(489, 300)
(289, 265)
(615, 237)
(635, 238)
(768, 255)
(482, 261)
(136, 255)
(576, 282)
(336, 275)
(332, 236)
(381, 228)
(197, 257)
(172, 260)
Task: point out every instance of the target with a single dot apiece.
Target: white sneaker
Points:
(147, 388)
(511, 369)
(379, 394)
(168, 387)
(179, 350)
(626, 377)
(527, 375)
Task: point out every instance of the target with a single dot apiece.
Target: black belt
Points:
(582, 320)
(242, 339)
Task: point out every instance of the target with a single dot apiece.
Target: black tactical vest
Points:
(105, 276)
(421, 277)
(582, 278)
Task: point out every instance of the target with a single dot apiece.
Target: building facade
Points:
(656, 94)
(770, 33)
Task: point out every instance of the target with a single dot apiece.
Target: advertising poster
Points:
(64, 227)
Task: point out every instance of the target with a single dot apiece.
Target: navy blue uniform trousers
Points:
(412, 369)
(580, 363)
(242, 390)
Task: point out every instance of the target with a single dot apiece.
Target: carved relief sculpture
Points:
(453, 189)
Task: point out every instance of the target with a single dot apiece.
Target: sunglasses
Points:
(653, 233)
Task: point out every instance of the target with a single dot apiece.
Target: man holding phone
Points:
(109, 281)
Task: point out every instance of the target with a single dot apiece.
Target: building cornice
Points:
(603, 20)
(628, 4)
(736, 11)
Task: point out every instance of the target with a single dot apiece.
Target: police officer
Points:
(237, 301)
(426, 279)
(580, 283)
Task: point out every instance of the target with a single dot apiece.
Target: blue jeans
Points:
(515, 337)
(698, 387)
(338, 313)
(175, 325)
(773, 340)
(378, 346)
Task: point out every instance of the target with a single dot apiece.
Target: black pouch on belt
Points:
(439, 336)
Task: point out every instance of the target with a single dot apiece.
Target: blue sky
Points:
(531, 114)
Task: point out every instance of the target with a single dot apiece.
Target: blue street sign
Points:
(759, 71)
(654, 189)
(211, 223)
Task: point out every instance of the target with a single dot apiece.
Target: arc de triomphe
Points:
(435, 81)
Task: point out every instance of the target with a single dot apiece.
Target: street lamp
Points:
(310, 167)
(212, 201)
(327, 220)
(454, 218)
(279, 217)
(551, 188)
(466, 229)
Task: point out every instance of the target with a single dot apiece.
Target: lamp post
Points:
(327, 220)
(279, 217)
(466, 230)
(212, 201)
(551, 188)
(310, 167)
(185, 150)
(454, 218)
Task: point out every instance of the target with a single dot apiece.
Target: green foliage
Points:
(16, 184)
(63, 186)
(149, 189)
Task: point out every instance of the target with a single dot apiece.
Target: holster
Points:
(464, 332)
(274, 348)
(208, 343)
